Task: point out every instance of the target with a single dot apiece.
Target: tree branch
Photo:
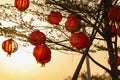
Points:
(99, 64)
(75, 76)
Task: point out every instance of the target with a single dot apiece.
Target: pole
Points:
(88, 68)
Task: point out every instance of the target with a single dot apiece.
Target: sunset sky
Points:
(23, 66)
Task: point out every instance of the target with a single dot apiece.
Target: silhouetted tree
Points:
(84, 76)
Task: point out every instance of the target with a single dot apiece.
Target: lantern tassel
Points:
(8, 54)
(43, 65)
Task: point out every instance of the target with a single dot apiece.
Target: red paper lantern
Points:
(73, 23)
(79, 40)
(37, 38)
(114, 14)
(42, 54)
(72, 17)
(118, 32)
(21, 4)
(54, 17)
(9, 46)
(112, 31)
(118, 60)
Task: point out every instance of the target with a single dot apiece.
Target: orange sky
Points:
(22, 65)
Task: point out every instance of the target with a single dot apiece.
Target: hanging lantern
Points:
(79, 40)
(118, 60)
(114, 14)
(118, 32)
(54, 17)
(112, 31)
(10, 46)
(21, 4)
(37, 38)
(73, 23)
(72, 17)
(42, 54)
